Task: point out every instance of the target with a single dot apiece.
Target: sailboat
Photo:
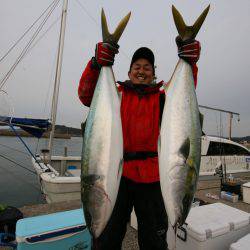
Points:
(59, 176)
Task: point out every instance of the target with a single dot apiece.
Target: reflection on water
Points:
(19, 187)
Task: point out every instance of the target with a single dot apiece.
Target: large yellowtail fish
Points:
(180, 134)
(102, 156)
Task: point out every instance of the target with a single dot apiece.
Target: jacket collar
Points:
(141, 89)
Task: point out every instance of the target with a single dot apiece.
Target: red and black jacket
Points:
(141, 108)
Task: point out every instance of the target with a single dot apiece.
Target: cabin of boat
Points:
(216, 150)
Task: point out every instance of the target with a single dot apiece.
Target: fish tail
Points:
(188, 32)
(113, 38)
(201, 119)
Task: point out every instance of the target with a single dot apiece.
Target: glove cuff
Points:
(95, 64)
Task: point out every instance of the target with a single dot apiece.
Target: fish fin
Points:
(185, 148)
(83, 124)
(188, 32)
(159, 144)
(190, 188)
(186, 205)
(201, 119)
(91, 179)
(113, 38)
(120, 169)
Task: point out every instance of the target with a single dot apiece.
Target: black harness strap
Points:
(140, 155)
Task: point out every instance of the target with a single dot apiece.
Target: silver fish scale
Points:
(180, 123)
(102, 153)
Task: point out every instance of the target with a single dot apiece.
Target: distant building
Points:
(246, 143)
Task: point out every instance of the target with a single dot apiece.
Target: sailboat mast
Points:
(57, 76)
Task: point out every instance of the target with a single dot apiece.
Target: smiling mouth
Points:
(141, 78)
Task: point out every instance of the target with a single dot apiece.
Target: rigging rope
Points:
(86, 12)
(14, 149)
(15, 44)
(24, 51)
(44, 33)
(7, 158)
(20, 138)
(22, 179)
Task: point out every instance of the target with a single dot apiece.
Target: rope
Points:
(14, 149)
(14, 45)
(22, 179)
(6, 158)
(93, 19)
(86, 12)
(24, 51)
(11, 126)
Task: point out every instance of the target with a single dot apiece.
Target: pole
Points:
(230, 117)
(57, 76)
(230, 126)
(221, 110)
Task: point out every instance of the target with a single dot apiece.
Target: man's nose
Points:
(141, 71)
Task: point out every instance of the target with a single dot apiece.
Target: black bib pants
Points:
(146, 198)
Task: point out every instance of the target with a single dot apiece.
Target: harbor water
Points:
(18, 185)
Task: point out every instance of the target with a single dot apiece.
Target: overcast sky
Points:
(224, 67)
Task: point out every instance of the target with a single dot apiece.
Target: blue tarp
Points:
(35, 127)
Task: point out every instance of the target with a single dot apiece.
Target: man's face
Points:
(141, 72)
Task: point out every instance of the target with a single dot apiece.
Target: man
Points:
(141, 109)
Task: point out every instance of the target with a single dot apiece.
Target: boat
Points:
(62, 181)
(216, 151)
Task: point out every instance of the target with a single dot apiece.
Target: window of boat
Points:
(220, 148)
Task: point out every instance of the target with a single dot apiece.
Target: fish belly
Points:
(180, 124)
(102, 153)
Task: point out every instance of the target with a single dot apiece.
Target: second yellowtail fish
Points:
(180, 134)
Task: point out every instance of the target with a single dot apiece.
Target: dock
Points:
(129, 243)
(205, 187)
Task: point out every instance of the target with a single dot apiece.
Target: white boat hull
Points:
(58, 188)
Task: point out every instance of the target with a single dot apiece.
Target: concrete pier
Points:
(205, 186)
